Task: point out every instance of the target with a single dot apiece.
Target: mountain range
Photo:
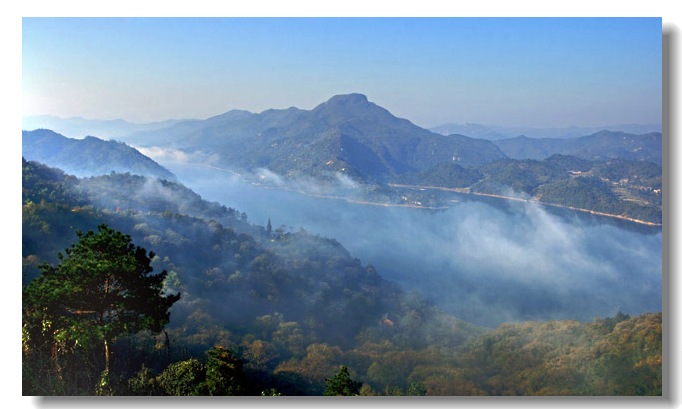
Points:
(350, 138)
(293, 307)
(602, 145)
(495, 133)
(77, 127)
(346, 134)
(351, 135)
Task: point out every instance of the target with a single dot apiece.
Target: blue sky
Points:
(495, 71)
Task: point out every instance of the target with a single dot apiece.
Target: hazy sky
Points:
(495, 71)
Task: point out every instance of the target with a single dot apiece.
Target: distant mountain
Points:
(349, 135)
(506, 132)
(469, 129)
(523, 147)
(88, 157)
(81, 127)
(602, 145)
(346, 134)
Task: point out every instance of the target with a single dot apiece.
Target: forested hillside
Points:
(346, 134)
(618, 187)
(602, 145)
(90, 156)
(268, 311)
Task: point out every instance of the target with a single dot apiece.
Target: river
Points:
(484, 260)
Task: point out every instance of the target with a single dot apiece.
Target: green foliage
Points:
(416, 389)
(584, 193)
(143, 383)
(103, 285)
(223, 373)
(522, 176)
(595, 194)
(569, 358)
(50, 210)
(342, 384)
(184, 378)
(220, 375)
(308, 373)
(289, 307)
(445, 174)
(635, 172)
(617, 187)
(631, 357)
(101, 289)
(609, 323)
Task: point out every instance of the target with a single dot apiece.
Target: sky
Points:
(540, 72)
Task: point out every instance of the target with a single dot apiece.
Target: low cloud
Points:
(165, 155)
(345, 181)
(484, 260)
(268, 177)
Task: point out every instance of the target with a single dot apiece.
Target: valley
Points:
(294, 234)
(281, 207)
(430, 292)
(426, 249)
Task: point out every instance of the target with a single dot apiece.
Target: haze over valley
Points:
(452, 236)
(468, 230)
(284, 219)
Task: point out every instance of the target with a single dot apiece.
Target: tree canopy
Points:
(102, 287)
(342, 384)
(271, 314)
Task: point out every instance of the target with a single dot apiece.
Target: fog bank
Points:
(484, 261)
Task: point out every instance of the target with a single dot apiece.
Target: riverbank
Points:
(468, 191)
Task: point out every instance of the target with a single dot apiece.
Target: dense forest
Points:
(619, 187)
(264, 310)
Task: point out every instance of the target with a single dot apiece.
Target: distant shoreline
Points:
(465, 191)
(348, 199)
(518, 199)
(454, 190)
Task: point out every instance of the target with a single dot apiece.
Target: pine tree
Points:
(223, 373)
(102, 288)
(342, 384)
